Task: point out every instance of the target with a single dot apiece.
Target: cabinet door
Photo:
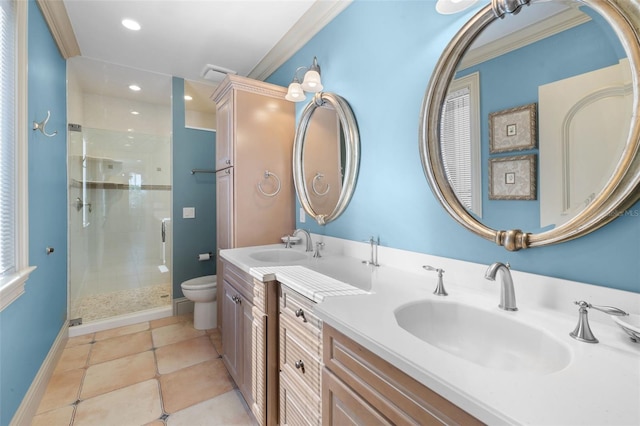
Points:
(231, 326)
(342, 406)
(224, 133)
(224, 229)
(224, 209)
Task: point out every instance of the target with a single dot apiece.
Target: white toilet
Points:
(202, 291)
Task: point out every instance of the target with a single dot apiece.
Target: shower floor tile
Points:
(106, 305)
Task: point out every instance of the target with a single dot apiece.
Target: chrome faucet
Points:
(307, 236)
(507, 293)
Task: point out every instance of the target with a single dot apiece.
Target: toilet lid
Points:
(201, 282)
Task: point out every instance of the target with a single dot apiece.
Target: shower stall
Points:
(119, 192)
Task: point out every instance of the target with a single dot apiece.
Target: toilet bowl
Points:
(202, 291)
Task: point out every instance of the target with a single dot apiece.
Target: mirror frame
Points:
(621, 191)
(352, 158)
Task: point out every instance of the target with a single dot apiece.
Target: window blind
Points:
(455, 136)
(7, 136)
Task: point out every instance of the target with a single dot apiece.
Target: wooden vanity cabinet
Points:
(300, 360)
(360, 388)
(249, 309)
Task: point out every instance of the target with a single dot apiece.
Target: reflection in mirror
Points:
(567, 60)
(553, 54)
(325, 157)
(322, 159)
(199, 109)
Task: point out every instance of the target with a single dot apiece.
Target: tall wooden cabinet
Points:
(255, 195)
(255, 206)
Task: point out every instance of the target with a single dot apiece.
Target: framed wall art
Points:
(512, 129)
(513, 178)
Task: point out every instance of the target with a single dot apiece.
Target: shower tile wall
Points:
(121, 164)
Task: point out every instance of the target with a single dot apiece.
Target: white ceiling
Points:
(180, 37)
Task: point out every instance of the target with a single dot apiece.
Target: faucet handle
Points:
(439, 291)
(287, 242)
(582, 332)
(609, 310)
(431, 268)
(319, 245)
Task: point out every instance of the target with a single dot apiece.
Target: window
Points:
(460, 136)
(14, 269)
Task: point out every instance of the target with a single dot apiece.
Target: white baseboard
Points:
(29, 405)
(182, 306)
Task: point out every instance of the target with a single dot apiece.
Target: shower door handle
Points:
(80, 204)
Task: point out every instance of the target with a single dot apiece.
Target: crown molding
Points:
(316, 18)
(56, 17)
(556, 24)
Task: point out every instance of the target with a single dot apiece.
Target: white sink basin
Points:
(490, 339)
(277, 255)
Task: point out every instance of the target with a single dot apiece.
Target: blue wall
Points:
(192, 149)
(29, 326)
(379, 56)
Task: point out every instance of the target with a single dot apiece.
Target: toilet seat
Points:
(200, 283)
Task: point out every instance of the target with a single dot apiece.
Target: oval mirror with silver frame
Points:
(621, 189)
(326, 156)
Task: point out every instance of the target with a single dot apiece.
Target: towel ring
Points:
(267, 175)
(316, 178)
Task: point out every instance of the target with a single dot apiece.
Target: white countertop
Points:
(599, 386)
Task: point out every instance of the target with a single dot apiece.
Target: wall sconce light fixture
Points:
(311, 83)
(448, 7)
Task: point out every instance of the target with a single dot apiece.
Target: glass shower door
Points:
(120, 200)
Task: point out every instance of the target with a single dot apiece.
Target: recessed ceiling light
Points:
(131, 24)
(187, 98)
(134, 87)
(135, 112)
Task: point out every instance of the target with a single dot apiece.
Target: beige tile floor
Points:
(161, 372)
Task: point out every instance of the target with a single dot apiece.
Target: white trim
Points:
(318, 15)
(22, 201)
(182, 306)
(29, 405)
(121, 321)
(12, 286)
(528, 35)
(57, 19)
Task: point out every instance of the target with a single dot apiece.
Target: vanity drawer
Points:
(398, 397)
(240, 280)
(297, 405)
(300, 356)
(300, 310)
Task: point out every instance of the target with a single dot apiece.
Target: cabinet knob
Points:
(228, 161)
(300, 365)
(300, 313)
(236, 299)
